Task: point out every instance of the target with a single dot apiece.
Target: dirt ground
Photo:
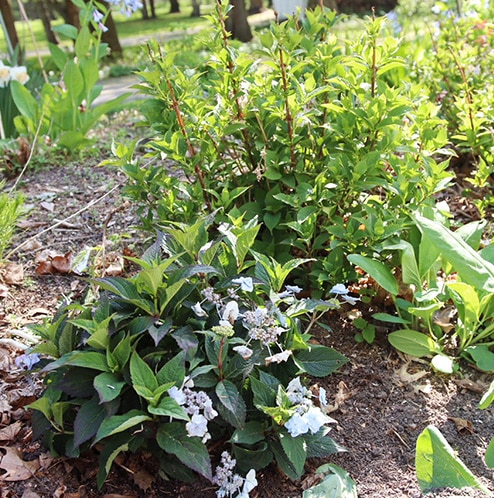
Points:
(381, 400)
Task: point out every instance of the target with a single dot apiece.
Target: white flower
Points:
(339, 289)
(278, 358)
(197, 309)
(322, 396)
(350, 300)
(290, 290)
(315, 419)
(246, 283)
(249, 484)
(198, 426)
(4, 75)
(366, 87)
(230, 313)
(296, 425)
(177, 394)
(19, 73)
(209, 411)
(243, 351)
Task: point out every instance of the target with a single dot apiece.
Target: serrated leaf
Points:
(87, 359)
(295, 450)
(173, 438)
(252, 433)
(319, 361)
(108, 386)
(173, 370)
(141, 373)
(168, 407)
(231, 399)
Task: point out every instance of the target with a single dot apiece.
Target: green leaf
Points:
(173, 438)
(412, 342)
(437, 465)
(319, 361)
(295, 450)
(74, 82)
(264, 394)
(58, 55)
(470, 266)
(409, 267)
(88, 359)
(482, 356)
(386, 317)
(488, 397)
(108, 386)
(337, 483)
(173, 370)
(111, 449)
(168, 407)
(82, 42)
(24, 101)
(283, 461)
(320, 445)
(252, 433)
(141, 373)
(230, 398)
(377, 270)
(88, 420)
(120, 423)
(489, 455)
(66, 30)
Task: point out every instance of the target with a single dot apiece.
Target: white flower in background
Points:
(243, 351)
(127, 7)
(342, 291)
(246, 283)
(230, 483)
(278, 358)
(197, 309)
(4, 75)
(19, 73)
(230, 313)
(290, 290)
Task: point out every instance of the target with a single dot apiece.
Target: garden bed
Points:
(380, 399)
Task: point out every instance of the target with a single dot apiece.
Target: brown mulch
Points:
(381, 400)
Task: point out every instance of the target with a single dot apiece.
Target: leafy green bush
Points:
(457, 65)
(329, 144)
(11, 209)
(190, 355)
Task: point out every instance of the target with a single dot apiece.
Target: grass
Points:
(127, 27)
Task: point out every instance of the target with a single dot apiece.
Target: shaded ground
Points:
(381, 401)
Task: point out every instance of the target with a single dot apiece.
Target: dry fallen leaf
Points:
(4, 291)
(16, 468)
(9, 433)
(462, 425)
(341, 396)
(143, 479)
(49, 262)
(13, 273)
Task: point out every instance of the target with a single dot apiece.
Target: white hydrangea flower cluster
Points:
(198, 405)
(12, 73)
(230, 483)
(262, 326)
(307, 417)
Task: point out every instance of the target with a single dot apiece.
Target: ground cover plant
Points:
(312, 161)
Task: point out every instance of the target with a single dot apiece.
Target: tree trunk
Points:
(153, 10)
(72, 14)
(8, 19)
(196, 8)
(144, 10)
(174, 7)
(45, 16)
(237, 22)
(256, 6)
(111, 36)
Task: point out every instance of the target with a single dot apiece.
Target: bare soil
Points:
(381, 400)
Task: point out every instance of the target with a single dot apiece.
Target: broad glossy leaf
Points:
(488, 397)
(24, 101)
(173, 438)
(168, 407)
(295, 450)
(377, 270)
(489, 455)
(252, 433)
(412, 342)
(173, 370)
(87, 359)
(111, 449)
(66, 30)
(254, 457)
(438, 466)
(482, 356)
(469, 264)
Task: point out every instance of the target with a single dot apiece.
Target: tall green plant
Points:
(11, 209)
(327, 143)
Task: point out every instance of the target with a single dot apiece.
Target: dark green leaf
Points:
(87, 359)
(252, 433)
(377, 270)
(231, 399)
(88, 420)
(120, 423)
(173, 438)
(319, 361)
(141, 373)
(173, 370)
(295, 450)
(168, 407)
(412, 342)
(109, 386)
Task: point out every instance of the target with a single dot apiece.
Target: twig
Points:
(85, 208)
